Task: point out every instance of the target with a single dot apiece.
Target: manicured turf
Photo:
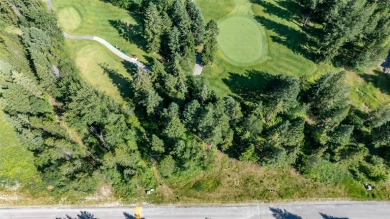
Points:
(285, 44)
(91, 58)
(241, 40)
(98, 19)
(69, 19)
(215, 9)
(102, 20)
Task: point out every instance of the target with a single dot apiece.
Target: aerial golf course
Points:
(242, 39)
(256, 39)
(271, 116)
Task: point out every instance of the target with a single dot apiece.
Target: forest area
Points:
(174, 123)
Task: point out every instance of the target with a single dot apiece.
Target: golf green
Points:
(69, 18)
(242, 41)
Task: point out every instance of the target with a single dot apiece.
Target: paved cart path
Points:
(197, 69)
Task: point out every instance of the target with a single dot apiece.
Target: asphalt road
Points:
(328, 210)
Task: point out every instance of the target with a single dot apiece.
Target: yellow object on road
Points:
(138, 212)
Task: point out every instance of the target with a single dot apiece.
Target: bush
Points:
(326, 172)
(167, 166)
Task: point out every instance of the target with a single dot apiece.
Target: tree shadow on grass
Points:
(296, 40)
(249, 86)
(325, 216)
(296, 10)
(287, 10)
(379, 80)
(122, 83)
(386, 63)
(130, 32)
(283, 214)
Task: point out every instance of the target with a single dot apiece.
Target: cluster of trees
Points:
(288, 123)
(128, 4)
(174, 29)
(354, 31)
(174, 121)
(49, 101)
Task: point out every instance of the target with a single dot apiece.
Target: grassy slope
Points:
(16, 162)
(232, 180)
(215, 9)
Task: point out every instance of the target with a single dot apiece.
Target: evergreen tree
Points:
(197, 21)
(379, 117)
(174, 43)
(153, 28)
(329, 93)
(191, 114)
(157, 145)
(344, 23)
(173, 127)
(210, 44)
(233, 110)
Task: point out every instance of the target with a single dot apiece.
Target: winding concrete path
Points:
(111, 48)
(104, 43)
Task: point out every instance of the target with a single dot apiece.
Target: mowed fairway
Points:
(97, 18)
(91, 58)
(215, 9)
(241, 40)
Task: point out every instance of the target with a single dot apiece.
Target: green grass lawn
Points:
(241, 40)
(69, 18)
(286, 42)
(92, 60)
(94, 17)
(289, 53)
(369, 89)
(215, 9)
(16, 162)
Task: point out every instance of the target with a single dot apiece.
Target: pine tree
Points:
(379, 117)
(284, 93)
(153, 28)
(233, 110)
(210, 44)
(157, 145)
(344, 22)
(191, 114)
(174, 43)
(173, 127)
(197, 21)
(329, 93)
